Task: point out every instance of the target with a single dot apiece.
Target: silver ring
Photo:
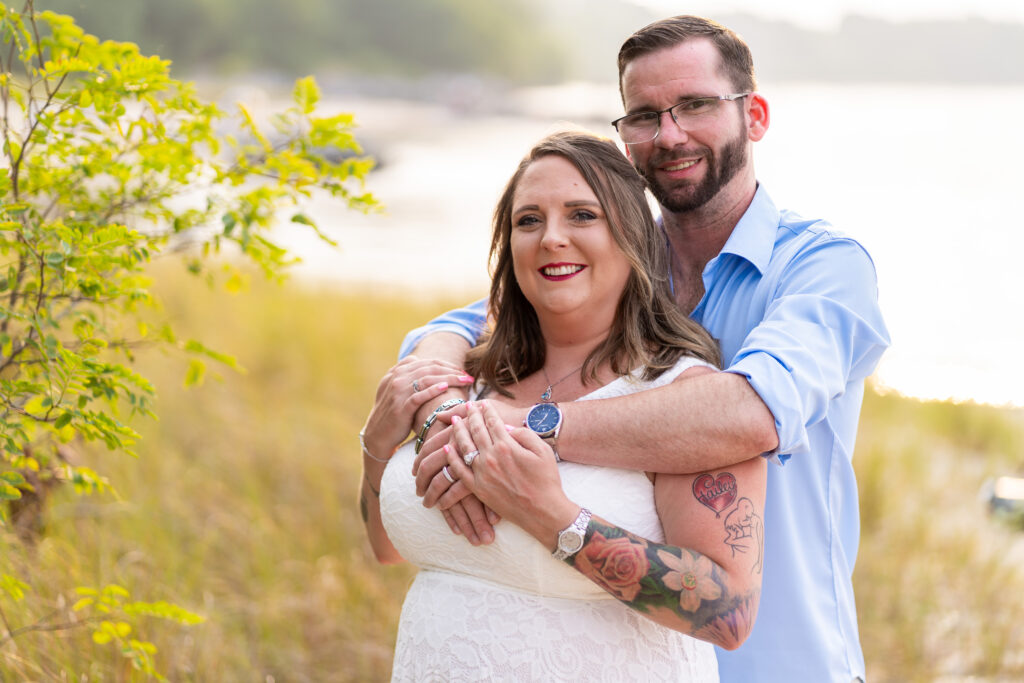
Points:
(468, 458)
(415, 385)
(447, 474)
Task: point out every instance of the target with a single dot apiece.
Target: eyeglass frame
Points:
(686, 100)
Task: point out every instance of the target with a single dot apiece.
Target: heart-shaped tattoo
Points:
(716, 494)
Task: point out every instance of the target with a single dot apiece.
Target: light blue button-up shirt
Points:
(794, 305)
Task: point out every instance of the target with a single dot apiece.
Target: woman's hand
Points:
(406, 386)
(514, 473)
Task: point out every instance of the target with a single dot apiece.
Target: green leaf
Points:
(306, 94)
(13, 587)
(63, 421)
(82, 604)
(12, 478)
(8, 492)
(164, 610)
(196, 372)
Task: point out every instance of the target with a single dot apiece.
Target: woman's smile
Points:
(560, 271)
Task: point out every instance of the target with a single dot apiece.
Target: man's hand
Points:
(408, 386)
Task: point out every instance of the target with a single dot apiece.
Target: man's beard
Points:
(722, 168)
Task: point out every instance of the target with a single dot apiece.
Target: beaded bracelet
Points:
(450, 403)
(366, 451)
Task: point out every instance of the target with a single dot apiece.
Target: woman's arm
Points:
(369, 508)
(401, 392)
(705, 580)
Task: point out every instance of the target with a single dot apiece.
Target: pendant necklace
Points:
(546, 396)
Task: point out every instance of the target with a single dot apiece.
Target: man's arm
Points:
(467, 323)
(443, 346)
(821, 334)
(447, 338)
(694, 424)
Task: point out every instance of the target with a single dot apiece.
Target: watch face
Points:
(543, 418)
(569, 542)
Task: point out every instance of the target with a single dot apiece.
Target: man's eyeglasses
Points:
(644, 126)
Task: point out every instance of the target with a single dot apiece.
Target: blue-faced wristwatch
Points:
(546, 420)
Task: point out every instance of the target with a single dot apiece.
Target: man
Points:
(794, 307)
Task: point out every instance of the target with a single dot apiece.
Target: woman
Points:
(581, 309)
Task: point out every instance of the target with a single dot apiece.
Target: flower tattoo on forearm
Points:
(678, 587)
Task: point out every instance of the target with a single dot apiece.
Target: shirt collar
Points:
(754, 236)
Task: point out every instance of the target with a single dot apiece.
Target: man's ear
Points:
(758, 116)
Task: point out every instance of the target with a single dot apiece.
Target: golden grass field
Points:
(242, 507)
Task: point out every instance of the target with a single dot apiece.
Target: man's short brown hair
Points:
(737, 62)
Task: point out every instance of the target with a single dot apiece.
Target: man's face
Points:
(686, 168)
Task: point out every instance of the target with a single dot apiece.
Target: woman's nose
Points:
(556, 234)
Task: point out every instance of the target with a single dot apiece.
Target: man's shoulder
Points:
(815, 243)
(798, 234)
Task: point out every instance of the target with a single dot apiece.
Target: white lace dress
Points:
(508, 611)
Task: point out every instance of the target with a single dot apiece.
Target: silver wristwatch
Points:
(546, 420)
(570, 540)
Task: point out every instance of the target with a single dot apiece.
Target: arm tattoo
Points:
(364, 509)
(744, 529)
(662, 581)
(677, 585)
(745, 533)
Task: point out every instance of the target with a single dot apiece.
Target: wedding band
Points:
(415, 385)
(468, 458)
(447, 474)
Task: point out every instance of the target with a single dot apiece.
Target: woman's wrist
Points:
(551, 520)
(373, 450)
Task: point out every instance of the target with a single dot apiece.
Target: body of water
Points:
(926, 177)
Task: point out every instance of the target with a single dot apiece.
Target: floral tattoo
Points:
(672, 584)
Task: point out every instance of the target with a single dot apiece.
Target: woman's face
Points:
(563, 253)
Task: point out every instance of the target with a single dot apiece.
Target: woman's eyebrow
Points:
(570, 203)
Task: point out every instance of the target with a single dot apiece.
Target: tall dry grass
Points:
(242, 506)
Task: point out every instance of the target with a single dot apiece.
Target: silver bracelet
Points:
(450, 403)
(366, 452)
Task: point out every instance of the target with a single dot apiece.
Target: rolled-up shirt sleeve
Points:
(823, 331)
(467, 322)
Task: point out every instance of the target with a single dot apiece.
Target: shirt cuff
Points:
(774, 384)
(417, 335)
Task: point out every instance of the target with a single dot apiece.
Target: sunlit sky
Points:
(825, 14)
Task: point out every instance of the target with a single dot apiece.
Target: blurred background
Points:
(895, 121)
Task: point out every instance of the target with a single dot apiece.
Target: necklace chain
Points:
(546, 396)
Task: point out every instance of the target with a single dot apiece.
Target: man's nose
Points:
(670, 133)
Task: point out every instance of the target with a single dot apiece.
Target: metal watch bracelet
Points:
(450, 403)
